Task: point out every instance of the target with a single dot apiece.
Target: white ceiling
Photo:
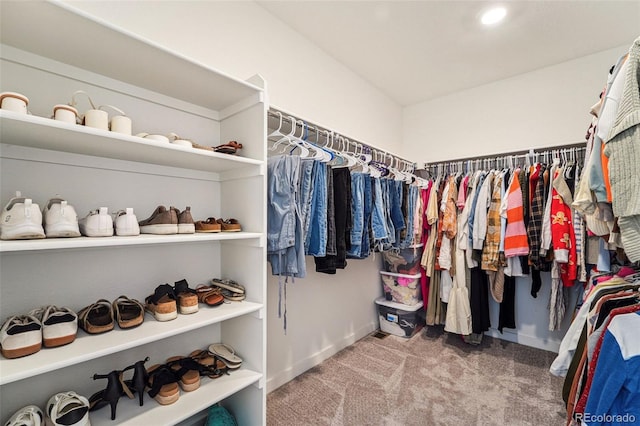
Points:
(418, 50)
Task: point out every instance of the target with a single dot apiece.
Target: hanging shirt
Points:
(563, 236)
(490, 252)
(482, 207)
(515, 241)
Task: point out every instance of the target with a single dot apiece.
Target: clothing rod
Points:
(523, 153)
(274, 112)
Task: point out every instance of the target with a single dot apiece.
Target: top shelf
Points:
(64, 34)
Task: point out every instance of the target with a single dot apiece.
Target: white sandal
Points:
(68, 409)
(227, 354)
(31, 415)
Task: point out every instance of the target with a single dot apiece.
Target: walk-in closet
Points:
(292, 213)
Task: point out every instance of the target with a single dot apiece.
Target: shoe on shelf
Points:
(214, 366)
(31, 415)
(228, 284)
(111, 394)
(230, 225)
(128, 313)
(162, 303)
(98, 223)
(59, 325)
(68, 409)
(60, 219)
(227, 354)
(163, 384)
(21, 335)
(209, 295)
(138, 383)
(230, 147)
(125, 223)
(185, 221)
(188, 372)
(97, 318)
(209, 225)
(21, 219)
(186, 297)
(230, 290)
(161, 222)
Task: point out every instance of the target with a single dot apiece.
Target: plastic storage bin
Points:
(401, 288)
(400, 320)
(403, 261)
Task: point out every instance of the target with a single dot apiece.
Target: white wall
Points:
(325, 313)
(542, 108)
(241, 39)
(546, 107)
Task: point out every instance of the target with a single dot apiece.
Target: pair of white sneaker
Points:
(23, 335)
(99, 223)
(22, 220)
(62, 409)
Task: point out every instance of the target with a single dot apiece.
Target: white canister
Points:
(121, 124)
(14, 102)
(65, 113)
(97, 118)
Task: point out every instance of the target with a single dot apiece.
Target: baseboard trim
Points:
(282, 377)
(535, 342)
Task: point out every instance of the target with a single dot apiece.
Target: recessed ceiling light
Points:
(493, 16)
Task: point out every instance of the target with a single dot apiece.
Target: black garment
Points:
(536, 282)
(507, 307)
(480, 320)
(331, 223)
(343, 223)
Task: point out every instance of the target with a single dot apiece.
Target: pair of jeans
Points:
(412, 199)
(379, 226)
(305, 192)
(388, 191)
(343, 223)
(316, 239)
(357, 212)
(284, 227)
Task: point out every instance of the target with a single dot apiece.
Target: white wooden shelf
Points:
(151, 413)
(46, 133)
(87, 347)
(142, 239)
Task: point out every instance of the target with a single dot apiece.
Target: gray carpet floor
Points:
(431, 379)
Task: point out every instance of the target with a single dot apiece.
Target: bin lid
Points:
(395, 274)
(395, 305)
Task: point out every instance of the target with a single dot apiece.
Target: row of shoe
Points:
(166, 301)
(164, 381)
(22, 219)
(161, 381)
(51, 326)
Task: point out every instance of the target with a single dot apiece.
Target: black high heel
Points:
(111, 394)
(140, 378)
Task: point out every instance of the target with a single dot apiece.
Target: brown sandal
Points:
(97, 318)
(215, 366)
(230, 225)
(209, 225)
(128, 312)
(209, 295)
(228, 148)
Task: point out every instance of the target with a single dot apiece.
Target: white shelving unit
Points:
(162, 92)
